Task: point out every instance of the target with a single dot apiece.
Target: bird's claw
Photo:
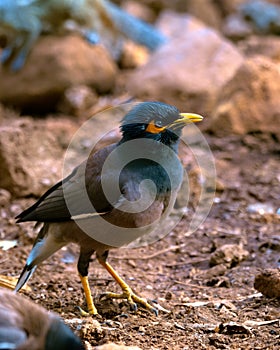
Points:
(155, 311)
(87, 313)
(132, 299)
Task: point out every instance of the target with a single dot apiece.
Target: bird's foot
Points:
(127, 292)
(132, 299)
(87, 313)
(90, 304)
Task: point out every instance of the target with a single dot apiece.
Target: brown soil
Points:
(210, 307)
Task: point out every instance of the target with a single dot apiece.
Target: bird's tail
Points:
(24, 277)
(45, 245)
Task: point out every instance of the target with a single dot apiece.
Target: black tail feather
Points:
(24, 277)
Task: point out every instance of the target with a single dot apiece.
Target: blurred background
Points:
(62, 63)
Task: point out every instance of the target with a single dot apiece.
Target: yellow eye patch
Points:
(153, 129)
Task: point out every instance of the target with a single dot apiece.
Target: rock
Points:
(272, 243)
(5, 197)
(112, 346)
(229, 255)
(215, 271)
(206, 11)
(139, 10)
(174, 24)
(188, 71)
(232, 328)
(6, 113)
(133, 55)
(268, 46)
(235, 27)
(215, 276)
(91, 329)
(249, 102)
(77, 99)
(31, 154)
(54, 65)
(268, 283)
(227, 7)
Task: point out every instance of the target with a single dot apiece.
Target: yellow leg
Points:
(91, 307)
(127, 293)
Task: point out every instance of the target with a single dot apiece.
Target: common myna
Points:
(118, 194)
(25, 325)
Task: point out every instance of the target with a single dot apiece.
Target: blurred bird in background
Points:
(152, 176)
(22, 22)
(25, 325)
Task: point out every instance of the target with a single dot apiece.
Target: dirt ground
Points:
(209, 307)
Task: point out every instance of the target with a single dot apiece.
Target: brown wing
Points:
(79, 193)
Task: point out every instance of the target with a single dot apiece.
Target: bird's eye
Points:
(158, 123)
(155, 127)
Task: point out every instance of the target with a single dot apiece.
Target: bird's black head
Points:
(155, 120)
(60, 337)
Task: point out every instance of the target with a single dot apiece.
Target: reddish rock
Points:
(174, 24)
(229, 254)
(139, 10)
(133, 55)
(268, 46)
(188, 71)
(206, 10)
(54, 65)
(31, 154)
(268, 283)
(249, 102)
(77, 99)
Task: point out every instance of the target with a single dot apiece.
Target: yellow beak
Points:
(189, 118)
(186, 118)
